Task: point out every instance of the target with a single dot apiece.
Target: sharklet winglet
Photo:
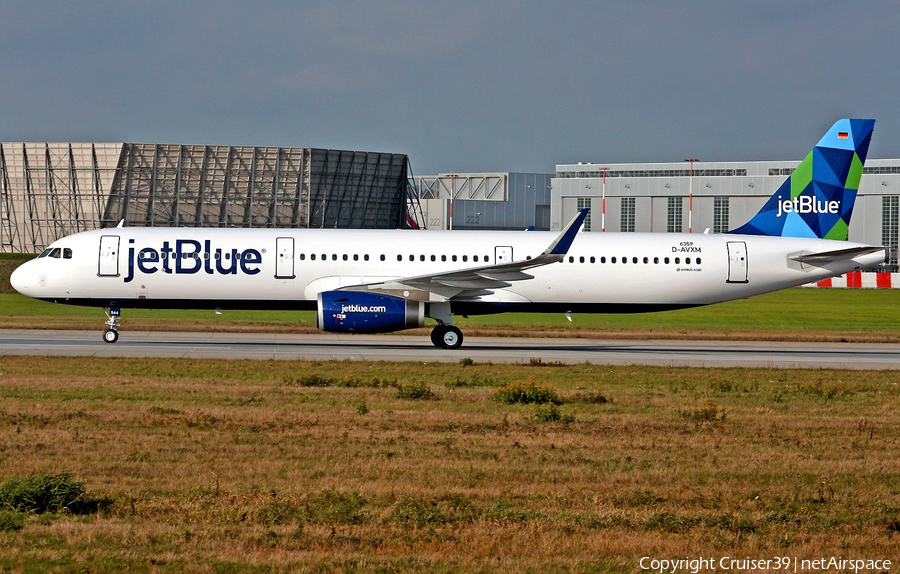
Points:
(563, 242)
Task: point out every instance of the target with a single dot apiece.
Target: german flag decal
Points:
(843, 135)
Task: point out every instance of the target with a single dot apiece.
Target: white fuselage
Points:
(285, 268)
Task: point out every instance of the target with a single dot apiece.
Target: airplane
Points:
(370, 281)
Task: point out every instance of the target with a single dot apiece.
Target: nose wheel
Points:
(446, 337)
(111, 334)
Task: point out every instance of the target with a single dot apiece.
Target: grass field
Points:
(244, 465)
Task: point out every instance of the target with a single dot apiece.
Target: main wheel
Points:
(451, 338)
(110, 335)
(436, 334)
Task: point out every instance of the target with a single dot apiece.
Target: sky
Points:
(459, 86)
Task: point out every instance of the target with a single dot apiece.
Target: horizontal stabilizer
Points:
(826, 257)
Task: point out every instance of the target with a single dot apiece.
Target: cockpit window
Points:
(55, 253)
(67, 253)
(45, 253)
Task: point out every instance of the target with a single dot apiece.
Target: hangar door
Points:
(737, 262)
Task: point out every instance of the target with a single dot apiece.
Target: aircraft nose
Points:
(18, 279)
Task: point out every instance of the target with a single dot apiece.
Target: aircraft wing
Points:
(826, 257)
(474, 281)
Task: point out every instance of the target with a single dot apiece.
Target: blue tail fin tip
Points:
(817, 199)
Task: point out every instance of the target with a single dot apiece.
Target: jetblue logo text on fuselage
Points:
(188, 257)
(363, 309)
(807, 204)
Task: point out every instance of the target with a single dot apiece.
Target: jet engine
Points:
(359, 312)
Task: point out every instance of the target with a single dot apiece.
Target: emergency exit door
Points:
(737, 262)
(284, 254)
(109, 256)
(503, 254)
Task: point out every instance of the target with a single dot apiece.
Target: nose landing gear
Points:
(111, 334)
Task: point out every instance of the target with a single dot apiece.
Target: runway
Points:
(479, 349)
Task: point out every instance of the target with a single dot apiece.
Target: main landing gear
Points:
(444, 335)
(111, 334)
(447, 337)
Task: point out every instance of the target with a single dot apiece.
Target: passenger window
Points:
(312, 256)
(454, 258)
(302, 256)
(646, 260)
(571, 259)
(345, 256)
(443, 257)
(634, 259)
(399, 258)
(613, 260)
(434, 258)
(465, 257)
(593, 260)
(698, 261)
(412, 257)
(475, 259)
(67, 253)
(603, 260)
(624, 260)
(677, 260)
(355, 257)
(656, 260)
(421, 258)
(687, 260)
(666, 260)
(366, 257)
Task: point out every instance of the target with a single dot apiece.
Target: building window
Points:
(585, 203)
(673, 215)
(626, 218)
(890, 223)
(720, 214)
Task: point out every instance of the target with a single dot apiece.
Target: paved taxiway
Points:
(480, 349)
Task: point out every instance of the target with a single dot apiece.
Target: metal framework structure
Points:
(234, 186)
(469, 186)
(48, 190)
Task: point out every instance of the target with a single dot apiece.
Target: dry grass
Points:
(235, 465)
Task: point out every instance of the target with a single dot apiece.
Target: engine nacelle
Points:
(360, 312)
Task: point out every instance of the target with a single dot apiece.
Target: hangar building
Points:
(48, 190)
(511, 201)
(665, 197)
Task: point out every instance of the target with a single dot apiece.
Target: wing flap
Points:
(448, 284)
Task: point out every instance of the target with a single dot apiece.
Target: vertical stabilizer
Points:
(817, 199)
